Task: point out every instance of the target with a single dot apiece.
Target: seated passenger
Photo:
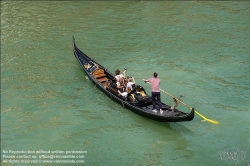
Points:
(120, 77)
(129, 82)
(114, 86)
(124, 94)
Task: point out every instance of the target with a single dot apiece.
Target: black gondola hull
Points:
(94, 69)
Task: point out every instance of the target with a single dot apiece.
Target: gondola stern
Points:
(190, 116)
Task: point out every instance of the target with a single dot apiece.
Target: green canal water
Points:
(199, 49)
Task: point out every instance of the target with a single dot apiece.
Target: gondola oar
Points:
(206, 119)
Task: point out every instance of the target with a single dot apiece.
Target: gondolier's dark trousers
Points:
(156, 96)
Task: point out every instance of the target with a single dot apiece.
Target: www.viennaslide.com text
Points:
(43, 156)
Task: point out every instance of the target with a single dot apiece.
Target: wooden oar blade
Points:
(212, 121)
(206, 119)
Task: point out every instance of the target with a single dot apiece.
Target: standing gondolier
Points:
(156, 95)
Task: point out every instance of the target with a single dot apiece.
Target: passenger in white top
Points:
(120, 77)
(124, 94)
(129, 83)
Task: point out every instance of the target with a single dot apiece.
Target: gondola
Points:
(142, 103)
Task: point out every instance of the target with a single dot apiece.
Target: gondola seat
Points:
(100, 75)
